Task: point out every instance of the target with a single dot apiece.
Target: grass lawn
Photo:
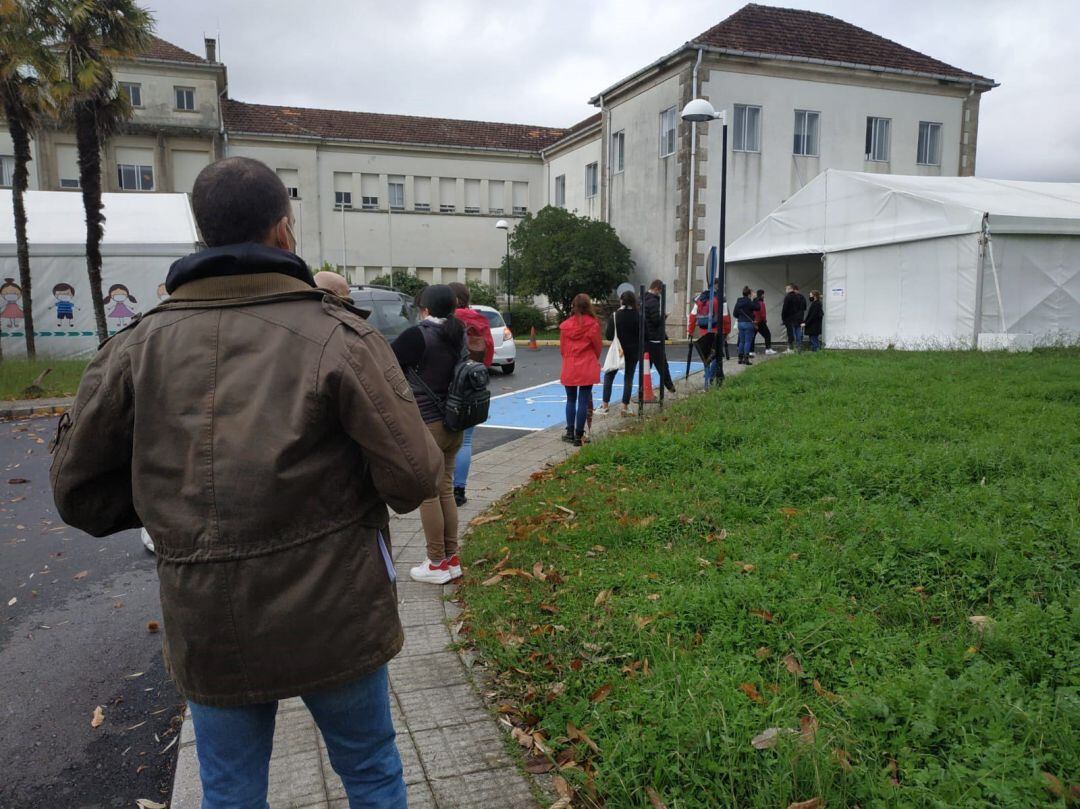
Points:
(873, 554)
(17, 374)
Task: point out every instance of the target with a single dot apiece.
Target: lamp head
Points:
(502, 224)
(699, 111)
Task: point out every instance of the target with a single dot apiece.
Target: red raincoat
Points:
(476, 325)
(580, 346)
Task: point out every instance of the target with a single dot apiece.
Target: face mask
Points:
(11, 296)
(119, 297)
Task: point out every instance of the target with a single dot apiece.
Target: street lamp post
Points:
(503, 225)
(701, 111)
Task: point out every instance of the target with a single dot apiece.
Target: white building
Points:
(803, 92)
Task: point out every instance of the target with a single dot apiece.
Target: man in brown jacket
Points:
(217, 421)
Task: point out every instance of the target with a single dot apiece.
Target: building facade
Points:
(801, 92)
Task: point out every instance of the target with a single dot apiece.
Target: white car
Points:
(505, 350)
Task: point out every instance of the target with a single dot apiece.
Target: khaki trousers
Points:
(439, 516)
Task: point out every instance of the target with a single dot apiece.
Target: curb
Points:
(31, 408)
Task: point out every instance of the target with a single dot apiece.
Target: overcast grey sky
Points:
(540, 62)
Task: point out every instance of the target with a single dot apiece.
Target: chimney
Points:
(211, 49)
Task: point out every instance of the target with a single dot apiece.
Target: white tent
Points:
(920, 262)
(144, 235)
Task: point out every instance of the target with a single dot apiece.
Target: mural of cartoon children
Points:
(119, 296)
(65, 304)
(11, 294)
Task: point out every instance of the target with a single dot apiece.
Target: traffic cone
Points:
(532, 340)
(649, 395)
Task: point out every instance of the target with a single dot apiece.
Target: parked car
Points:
(505, 350)
(391, 311)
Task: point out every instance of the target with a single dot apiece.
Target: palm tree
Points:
(25, 67)
(89, 35)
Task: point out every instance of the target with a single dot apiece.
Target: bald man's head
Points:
(332, 282)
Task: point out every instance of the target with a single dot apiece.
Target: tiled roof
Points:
(167, 52)
(576, 129)
(811, 35)
(263, 119)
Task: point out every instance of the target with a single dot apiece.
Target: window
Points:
(67, 164)
(369, 192)
(292, 191)
(133, 91)
(185, 98)
(929, 151)
(560, 191)
(447, 195)
(806, 133)
(618, 149)
(472, 196)
(747, 137)
(7, 170)
(343, 199)
(591, 183)
(520, 198)
(396, 190)
(369, 203)
(496, 197)
(343, 184)
(667, 132)
(135, 178)
(421, 193)
(291, 179)
(447, 207)
(877, 139)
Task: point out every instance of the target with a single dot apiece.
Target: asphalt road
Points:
(74, 615)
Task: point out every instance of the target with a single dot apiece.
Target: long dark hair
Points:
(628, 298)
(440, 301)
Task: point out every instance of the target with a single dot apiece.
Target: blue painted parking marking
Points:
(543, 406)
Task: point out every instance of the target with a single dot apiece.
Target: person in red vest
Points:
(481, 349)
(761, 325)
(580, 345)
(703, 327)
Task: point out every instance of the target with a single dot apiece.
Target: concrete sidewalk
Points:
(454, 753)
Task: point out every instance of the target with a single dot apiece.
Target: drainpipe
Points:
(690, 214)
(605, 149)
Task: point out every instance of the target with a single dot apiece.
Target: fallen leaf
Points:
(1051, 782)
(601, 693)
(145, 803)
(522, 738)
(601, 597)
(748, 568)
(577, 735)
(598, 549)
(792, 665)
(654, 798)
(842, 759)
(894, 772)
(493, 580)
(538, 571)
(789, 512)
(98, 717)
(152, 627)
(981, 622)
(751, 691)
(14, 599)
(653, 596)
(485, 519)
(769, 738)
(561, 803)
(82, 574)
(762, 652)
(562, 787)
(764, 615)
(813, 803)
(808, 728)
(18, 480)
(643, 621)
(794, 557)
(576, 664)
(819, 689)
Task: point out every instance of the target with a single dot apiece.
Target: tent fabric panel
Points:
(142, 276)
(1040, 287)
(913, 295)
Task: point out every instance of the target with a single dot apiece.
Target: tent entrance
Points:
(772, 275)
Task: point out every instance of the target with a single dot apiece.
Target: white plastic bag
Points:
(614, 360)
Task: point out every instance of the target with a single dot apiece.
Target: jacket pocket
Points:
(390, 571)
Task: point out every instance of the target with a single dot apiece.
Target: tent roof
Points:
(57, 218)
(842, 210)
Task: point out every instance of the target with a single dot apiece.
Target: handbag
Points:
(614, 359)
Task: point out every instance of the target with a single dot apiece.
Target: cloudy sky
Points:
(539, 62)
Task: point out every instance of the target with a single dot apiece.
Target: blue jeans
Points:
(463, 460)
(746, 338)
(234, 744)
(577, 408)
(815, 342)
(796, 333)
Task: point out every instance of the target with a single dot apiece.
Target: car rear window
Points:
(390, 316)
(494, 319)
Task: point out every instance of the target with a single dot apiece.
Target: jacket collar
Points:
(236, 261)
(222, 287)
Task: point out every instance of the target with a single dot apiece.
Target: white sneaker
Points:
(769, 351)
(430, 572)
(147, 541)
(454, 564)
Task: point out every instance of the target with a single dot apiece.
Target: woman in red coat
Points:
(580, 346)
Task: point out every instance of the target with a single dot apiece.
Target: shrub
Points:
(402, 281)
(481, 294)
(525, 316)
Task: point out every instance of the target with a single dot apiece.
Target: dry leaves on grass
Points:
(575, 734)
(600, 694)
(98, 718)
(792, 665)
(813, 803)
(769, 738)
(642, 621)
(654, 798)
(601, 597)
(841, 757)
(819, 689)
(484, 519)
(789, 512)
(764, 615)
(762, 652)
(751, 691)
(808, 728)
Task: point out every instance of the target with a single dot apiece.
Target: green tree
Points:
(89, 36)
(402, 282)
(26, 65)
(559, 254)
(480, 294)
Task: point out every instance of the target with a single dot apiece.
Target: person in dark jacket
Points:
(789, 314)
(217, 422)
(624, 324)
(482, 349)
(429, 352)
(745, 309)
(814, 316)
(656, 334)
(761, 323)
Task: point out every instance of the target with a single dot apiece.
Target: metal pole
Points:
(641, 352)
(721, 265)
(508, 278)
(663, 338)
